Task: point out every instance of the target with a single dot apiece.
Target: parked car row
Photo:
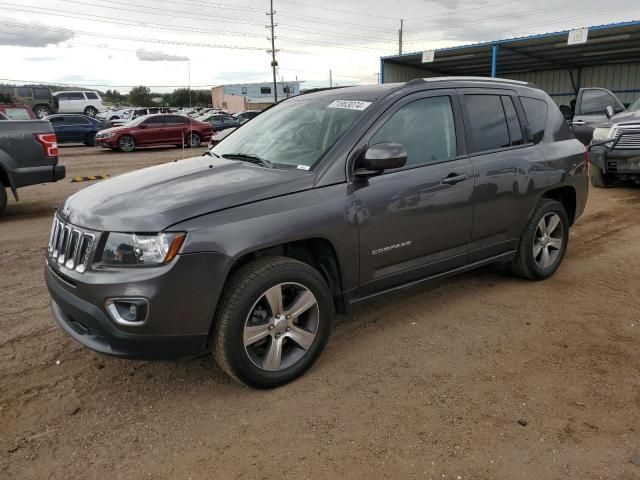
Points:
(43, 102)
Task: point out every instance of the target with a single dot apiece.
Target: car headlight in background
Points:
(132, 249)
(601, 134)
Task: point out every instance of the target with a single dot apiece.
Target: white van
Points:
(85, 102)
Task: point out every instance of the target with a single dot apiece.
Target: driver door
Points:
(591, 112)
(416, 221)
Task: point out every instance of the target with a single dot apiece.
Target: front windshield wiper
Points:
(248, 157)
(211, 154)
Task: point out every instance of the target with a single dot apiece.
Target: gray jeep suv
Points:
(322, 201)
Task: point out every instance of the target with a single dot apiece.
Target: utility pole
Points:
(330, 79)
(274, 64)
(400, 37)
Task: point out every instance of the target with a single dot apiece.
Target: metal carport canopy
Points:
(607, 44)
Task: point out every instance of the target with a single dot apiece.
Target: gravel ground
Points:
(484, 376)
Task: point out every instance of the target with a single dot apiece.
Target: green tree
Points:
(140, 96)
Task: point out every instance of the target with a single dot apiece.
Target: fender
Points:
(5, 160)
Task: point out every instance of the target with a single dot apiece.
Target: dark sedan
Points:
(70, 128)
(221, 122)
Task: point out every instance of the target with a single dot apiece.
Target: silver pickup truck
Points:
(28, 156)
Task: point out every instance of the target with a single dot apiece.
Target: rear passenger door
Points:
(508, 170)
(415, 221)
(175, 131)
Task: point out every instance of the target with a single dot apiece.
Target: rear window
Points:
(91, 95)
(17, 113)
(488, 124)
(537, 113)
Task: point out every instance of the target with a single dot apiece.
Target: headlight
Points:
(603, 133)
(107, 135)
(131, 249)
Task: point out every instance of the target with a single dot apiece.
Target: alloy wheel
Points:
(281, 326)
(127, 144)
(548, 240)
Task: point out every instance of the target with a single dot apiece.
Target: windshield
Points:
(635, 106)
(296, 133)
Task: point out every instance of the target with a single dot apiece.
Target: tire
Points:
(3, 199)
(41, 111)
(598, 178)
(91, 111)
(244, 301)
(126, 143)
(90, 141)
(194, 140)
(538, 266)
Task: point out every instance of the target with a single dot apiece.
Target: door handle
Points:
(579, 123)
(454, 178)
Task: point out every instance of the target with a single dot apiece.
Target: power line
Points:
(350, 12)
(483, 7)
(516, 15)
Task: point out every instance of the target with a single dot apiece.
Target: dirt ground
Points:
(428, 384)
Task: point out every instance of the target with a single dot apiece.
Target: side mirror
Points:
(609, 111)
(380, 157)
(142, 125)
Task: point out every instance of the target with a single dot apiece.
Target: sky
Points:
(167, 44)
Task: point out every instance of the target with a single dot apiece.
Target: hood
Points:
(153, 199)
(112, 130)
(624, 117)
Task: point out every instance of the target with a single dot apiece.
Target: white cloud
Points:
(18, 36)
(147, 56)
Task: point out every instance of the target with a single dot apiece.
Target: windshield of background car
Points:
(635, 106)
(294, 133)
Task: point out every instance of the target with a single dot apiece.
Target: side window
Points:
(537, 113)
(155, 121)
(63, 96)
(175, 120)
(24, 92)
(487, 123)
(42, 93)
(244, 90)
(75, 96)
(76, 121)
(56, 120)
(515, 129)
(426, 129)
(91, 95)
(265, 90)
(595, 102)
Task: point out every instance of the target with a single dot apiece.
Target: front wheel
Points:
(543, 242)
(273, 321)
(598, 178)
(194, 140)
(126, 143)
(3, 199)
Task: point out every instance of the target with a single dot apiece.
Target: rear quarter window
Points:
(537, 113)
(91, 95)
(42, 93)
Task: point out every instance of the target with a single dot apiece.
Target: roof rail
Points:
(468, 79)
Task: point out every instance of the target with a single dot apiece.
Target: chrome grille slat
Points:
(629, 141)
(70, 247)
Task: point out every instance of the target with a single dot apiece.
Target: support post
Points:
(494, 61)
(274, 64)
(400, 37)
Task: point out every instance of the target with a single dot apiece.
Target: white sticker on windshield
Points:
(303, 167)
(349, 104)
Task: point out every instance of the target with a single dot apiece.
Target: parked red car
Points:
(153, 130)
(17, 112)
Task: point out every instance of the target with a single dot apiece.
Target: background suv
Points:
(322, 201)
(87, 103)
(39, 99)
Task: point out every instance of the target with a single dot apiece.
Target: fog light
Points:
(128, 311)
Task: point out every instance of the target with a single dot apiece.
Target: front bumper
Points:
(615, 161)
(106, 142)
(182, 300)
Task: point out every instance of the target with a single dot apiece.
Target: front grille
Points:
(628, 141)
(69, 246)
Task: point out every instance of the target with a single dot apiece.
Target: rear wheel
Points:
(41, 111)
(273, 321)
(3, 199)
(126, 143)
(543, 242)
(91, 111)
(599, 179)
(90, 141)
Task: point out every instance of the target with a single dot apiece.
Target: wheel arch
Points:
(317, 252)
(567, 196)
